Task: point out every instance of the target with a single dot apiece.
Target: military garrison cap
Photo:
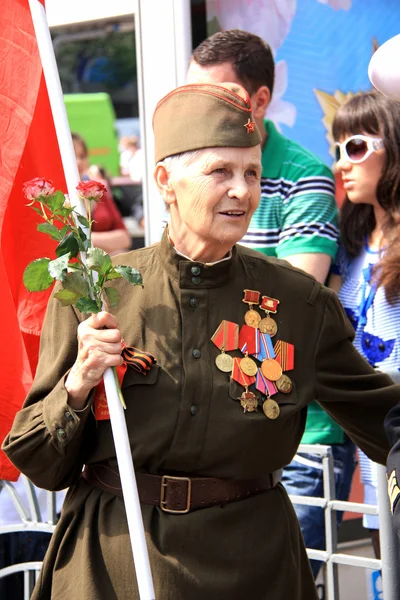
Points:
(203, 115)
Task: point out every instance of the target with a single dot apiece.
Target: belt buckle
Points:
(164, 483)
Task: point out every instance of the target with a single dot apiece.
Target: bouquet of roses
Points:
(81, 269)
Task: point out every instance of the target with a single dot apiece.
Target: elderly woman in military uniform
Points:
(242, 344)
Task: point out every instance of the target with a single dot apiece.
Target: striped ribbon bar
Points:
(264, 385)
(226, 337)
(239, 376)
(251, 297)
(285, 355)
(269, 304)
(249, 340)
(266, 347)
(137, 359)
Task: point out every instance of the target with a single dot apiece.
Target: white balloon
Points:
(384, 68)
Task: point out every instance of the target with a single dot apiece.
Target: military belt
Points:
(177, 494)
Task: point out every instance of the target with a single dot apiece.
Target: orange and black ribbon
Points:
(139, 360)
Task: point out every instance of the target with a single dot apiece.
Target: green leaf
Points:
(132, 275)
(66, 297)
(112, 296)
(65, 211)
(51, 230)
(98, 260)
(87, 305)
(75, 282)
(68, 245)
(36, 275)
(113, 274)
(58, 267)
(83, 221)
(55, 201)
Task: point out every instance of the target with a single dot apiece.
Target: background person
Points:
(236, 534)
(109, 231)
(367, 133)
(296, 220)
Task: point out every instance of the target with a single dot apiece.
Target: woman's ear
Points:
(260, 101)
(163, 180)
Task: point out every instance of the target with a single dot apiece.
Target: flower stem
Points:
(119, 391)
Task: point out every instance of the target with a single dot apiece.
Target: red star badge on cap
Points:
(250, 126)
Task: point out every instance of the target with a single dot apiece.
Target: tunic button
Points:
(196, 280)
(68, 416)
(196, 270)
(193, 302)
(196, 353)
(61, 433)
(193, 410)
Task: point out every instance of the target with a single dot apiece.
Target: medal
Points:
(267, 324)
(271, 369)
(248, 401)
(271, 409)
(224, 362)
(240, 376)
(284, 355)
(284, 384)
(251, 317)
(226, 337)
(248, 366)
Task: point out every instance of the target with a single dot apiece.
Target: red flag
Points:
(28, 149)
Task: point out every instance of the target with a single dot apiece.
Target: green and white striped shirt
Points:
(297, 212)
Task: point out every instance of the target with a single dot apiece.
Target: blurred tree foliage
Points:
(109, 60)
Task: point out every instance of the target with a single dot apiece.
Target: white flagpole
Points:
(118, 423)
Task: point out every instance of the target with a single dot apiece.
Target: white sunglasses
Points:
(357, 148)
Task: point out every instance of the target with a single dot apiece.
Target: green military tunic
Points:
(184, 417)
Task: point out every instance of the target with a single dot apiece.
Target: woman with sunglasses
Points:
(366, 130)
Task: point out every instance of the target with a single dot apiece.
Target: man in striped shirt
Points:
(297, 216)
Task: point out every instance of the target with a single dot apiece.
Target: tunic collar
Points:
(194, 274)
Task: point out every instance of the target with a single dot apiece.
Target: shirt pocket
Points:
(287, 402)
(133, 377)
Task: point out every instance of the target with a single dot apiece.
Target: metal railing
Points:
(31, 520)
(389, 564)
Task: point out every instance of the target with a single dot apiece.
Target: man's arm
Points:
(313, 263)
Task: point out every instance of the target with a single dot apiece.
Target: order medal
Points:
(271, 369)
(224, 362)
(267, 324)
(226, 337)
(284, 384)
(271, 409)
(248, 366)
(248, 401)
(251, 317)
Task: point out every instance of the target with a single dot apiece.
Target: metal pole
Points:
(117, 417)
(332, 580)
(389, 542)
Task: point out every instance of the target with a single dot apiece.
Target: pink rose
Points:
(90, 190)
(35, 188)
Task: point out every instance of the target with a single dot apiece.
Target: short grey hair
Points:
(179, 160)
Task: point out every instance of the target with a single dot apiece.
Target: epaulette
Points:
(393, 490)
